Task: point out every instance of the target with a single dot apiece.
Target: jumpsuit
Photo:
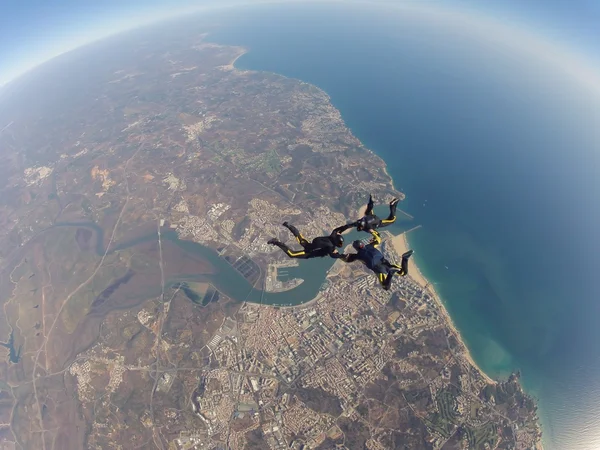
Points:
(372, 257)
(372, 222)
(319, 247)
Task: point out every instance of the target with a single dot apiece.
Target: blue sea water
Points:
(498, 154)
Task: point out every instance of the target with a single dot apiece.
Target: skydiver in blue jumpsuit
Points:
(372, 257)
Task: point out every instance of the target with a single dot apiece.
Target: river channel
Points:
(229, 281)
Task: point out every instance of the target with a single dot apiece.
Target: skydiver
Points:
(372, 257)
(371, 222)
(319, 247)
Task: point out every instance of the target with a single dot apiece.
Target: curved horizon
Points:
(518, 43)
(521, 38)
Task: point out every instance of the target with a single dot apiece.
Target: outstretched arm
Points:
(340, 230)
(349, 257)
(333, 252)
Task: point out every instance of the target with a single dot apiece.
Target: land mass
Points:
(121, 345)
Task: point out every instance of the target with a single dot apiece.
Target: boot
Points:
(407, 254)
(404, 263)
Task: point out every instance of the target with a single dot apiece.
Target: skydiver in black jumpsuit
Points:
(319, 247)
(371, 222)
(372, 257)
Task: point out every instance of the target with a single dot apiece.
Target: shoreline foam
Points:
(400, 244)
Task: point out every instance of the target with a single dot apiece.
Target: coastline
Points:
(231, 66)
(465, 355)
(400, 244)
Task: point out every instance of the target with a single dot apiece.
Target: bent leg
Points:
(387, 282)
(386, 222)
(384, 274)
(404, 263)
(376, 238)
(369, 210)
(301, 240)
(288, 251)
(395, 268)
(392, 217)
(401, 269)
(404, 267)
(294, 254)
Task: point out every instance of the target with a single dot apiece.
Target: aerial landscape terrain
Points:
(140, 178)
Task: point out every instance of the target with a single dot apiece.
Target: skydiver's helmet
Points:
(338, 240)
(358, 245)
(361, 224)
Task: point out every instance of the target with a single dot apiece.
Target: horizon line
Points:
(521, 38)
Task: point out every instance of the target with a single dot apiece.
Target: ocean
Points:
(497, 153)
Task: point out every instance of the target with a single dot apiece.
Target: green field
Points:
(446, 419)
(478, 437)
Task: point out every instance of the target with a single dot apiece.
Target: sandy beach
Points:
(401, 245)
(231, 65)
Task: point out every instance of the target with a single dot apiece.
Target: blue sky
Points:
(32, 31)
